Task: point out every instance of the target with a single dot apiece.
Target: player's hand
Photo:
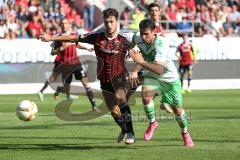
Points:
(133, 79)
(45, 37)
(136, 56)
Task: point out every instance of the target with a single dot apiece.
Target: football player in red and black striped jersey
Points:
(185, 54)
(111, 49)
(68, 64)
(155, 13)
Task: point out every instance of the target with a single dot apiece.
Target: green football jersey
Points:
(159, 50)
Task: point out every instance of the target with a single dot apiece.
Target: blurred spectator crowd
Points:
(198, 17)
(28, 18)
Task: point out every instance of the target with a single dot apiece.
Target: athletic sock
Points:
(58, 90)
(91, 97)
(181, 79)
(149, 110)
(182, 122)
(45, 86)
(121, 123)
(126, 112)
(189, 82)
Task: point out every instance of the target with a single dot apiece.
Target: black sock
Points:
(126, 112)
(58, 90)
(189, 81)
(91, 97)
(45, 86)
(121, 123)
(181, 79)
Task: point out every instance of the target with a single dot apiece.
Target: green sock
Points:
(182, 122)
(149, 110)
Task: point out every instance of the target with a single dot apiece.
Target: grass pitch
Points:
(214, 126)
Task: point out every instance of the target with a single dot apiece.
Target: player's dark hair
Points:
(110, 12)
(153, 5)
(147, 23)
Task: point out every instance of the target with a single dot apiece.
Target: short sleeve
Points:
(88, 38)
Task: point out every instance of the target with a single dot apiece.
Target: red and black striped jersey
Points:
(69, 55)
(185, 50)
(158, 28)
(110, 52)
(57, 58)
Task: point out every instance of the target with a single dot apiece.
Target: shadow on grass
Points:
(49, 126)
(55, 138)
(87, 146)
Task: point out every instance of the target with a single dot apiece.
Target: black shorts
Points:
(68, 71)
(56, 64)
(109, 90)
(185, 68)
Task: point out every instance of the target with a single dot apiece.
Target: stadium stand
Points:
(27, 18)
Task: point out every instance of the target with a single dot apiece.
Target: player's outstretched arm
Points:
(157, 68)
(66, 38)
(80, 46)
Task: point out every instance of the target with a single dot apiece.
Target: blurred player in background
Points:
(110, 48)
(53, 75)
(162, 77)
(69, 64)
(186, 55)
(155, 15)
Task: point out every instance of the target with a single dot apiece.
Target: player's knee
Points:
(85, 82)
(52, 79)
(115, 111)
(121, 97)
(178, 110)
(147, 100)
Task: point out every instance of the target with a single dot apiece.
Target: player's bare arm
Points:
(66, 38)
(158, 67)
(80, 46)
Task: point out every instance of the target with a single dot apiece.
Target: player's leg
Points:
(121, 93)
(181, 118)
(66, 88)
(148, 91)
(80, 74)
(189, 74)
(182, 71)
(67, 74)
(57, 70)
(166, 107)
(51, 79)
(149, 108)
(40, 93)
(112, 104)
(90, 94)
(172, 95)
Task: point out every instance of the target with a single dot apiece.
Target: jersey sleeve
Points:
(91, 37)
(136, 38)
(88, 38)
